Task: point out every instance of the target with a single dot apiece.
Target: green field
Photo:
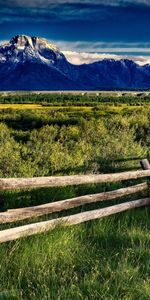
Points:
(107, 259)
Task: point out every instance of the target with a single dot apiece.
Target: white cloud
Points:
(2, 42)
(103, 47)
(86, 58)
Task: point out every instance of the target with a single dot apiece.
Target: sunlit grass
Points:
(20, 106)
(39, 106)
(104, 259)
(72, 107)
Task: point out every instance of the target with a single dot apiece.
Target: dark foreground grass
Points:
(107, 259)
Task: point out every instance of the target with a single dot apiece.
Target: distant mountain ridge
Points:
(32, 63)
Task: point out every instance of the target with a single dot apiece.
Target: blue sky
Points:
(114, 26)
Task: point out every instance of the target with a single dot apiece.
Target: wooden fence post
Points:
(146, 166)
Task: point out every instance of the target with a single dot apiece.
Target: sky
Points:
(96, 26)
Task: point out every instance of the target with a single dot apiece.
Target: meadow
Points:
(43, 135)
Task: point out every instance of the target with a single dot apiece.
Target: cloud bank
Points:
(87, 58)
(109, 20)
(47, 3)
(104, 47)
(56, 10)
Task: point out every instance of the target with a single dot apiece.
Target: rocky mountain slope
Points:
(32, 63)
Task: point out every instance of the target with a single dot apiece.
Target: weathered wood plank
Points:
(31, 229)
(34, 211)
(53, 181)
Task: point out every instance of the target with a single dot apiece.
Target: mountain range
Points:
(32, 63)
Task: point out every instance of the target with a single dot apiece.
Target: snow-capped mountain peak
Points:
(22, 41)
(23, 48)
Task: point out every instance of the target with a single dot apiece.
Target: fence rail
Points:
(31, 229)
(55, 181)
(14, 215)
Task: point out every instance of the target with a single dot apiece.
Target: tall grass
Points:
(107, 259)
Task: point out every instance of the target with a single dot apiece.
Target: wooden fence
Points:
(14, 215)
